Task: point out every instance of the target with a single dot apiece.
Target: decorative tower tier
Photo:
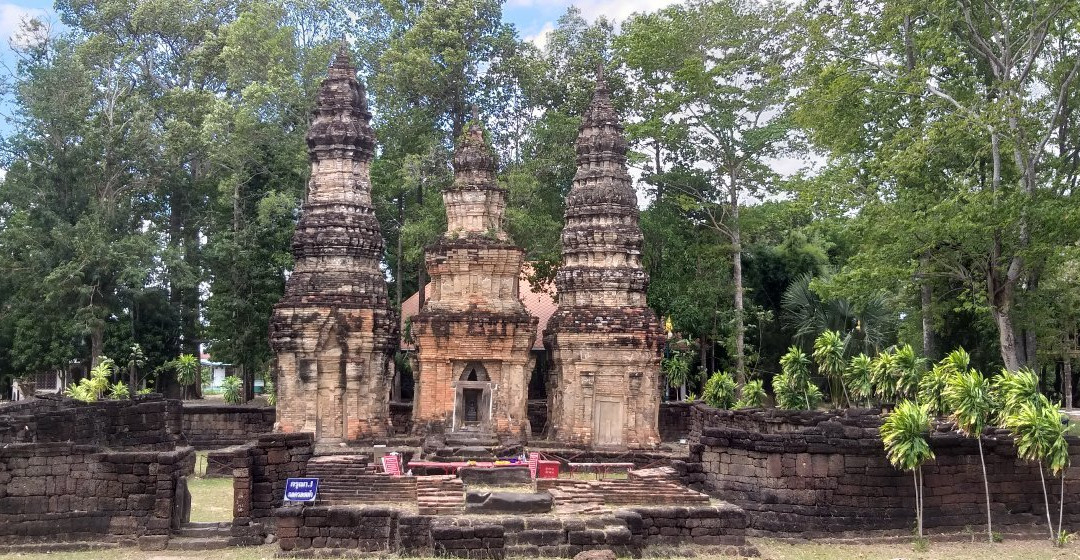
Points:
(605, 342)
(333, 332)
(473, 336)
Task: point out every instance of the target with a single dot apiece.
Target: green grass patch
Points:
(211, 499)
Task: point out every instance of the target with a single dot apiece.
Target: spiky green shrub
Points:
(119, 390)
(904, 434)
(908, 369)
(793, 388)
(91, 388)
(829, 355)
(967, 395)
(883, 378)
(859, 378)
(932, 389)
(1039, 435)
(752, 395)
(720, 390)
(1013, 389)
(232, 389)
(270, 391)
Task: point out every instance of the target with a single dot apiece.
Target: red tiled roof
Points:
(539, 302)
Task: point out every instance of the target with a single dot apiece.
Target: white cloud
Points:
(540, 39)
(619, 10)
(12, 17)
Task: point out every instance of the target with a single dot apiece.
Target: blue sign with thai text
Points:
(301, 489)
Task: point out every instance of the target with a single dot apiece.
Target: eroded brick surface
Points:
(473, 319)
(604, 387)
(333, 331)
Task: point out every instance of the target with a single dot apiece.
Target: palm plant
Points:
(904, 435)
(932, 388)
(1013, 389)
(677, 370)
(91, 388)
(859, 378)
(863, 329)
(883, 378)
(793, 387)
(1039, 435)
(908, 370)
(967, 395)
(752, 395)
(232, 389)
(720, 390)
(829, 355)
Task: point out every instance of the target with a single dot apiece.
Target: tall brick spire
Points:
(605, 340)
(333, 331)
(473, 336)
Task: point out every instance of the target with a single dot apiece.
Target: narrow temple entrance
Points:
(472, 399)
(608, 425)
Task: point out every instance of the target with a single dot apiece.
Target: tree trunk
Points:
(918, 504)
(1002, 313)
(133, 381)
(1061, 506)
(926, 292)
(97, 342)
(401, 224)
(1066, 380)
(737, 280)
(986, 489)
(1046, 500)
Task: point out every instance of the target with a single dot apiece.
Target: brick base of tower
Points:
(604, 388)
(478, 355)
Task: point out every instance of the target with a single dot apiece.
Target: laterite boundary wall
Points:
(110, 471)
(213, 426)
(816, 474)
(340, 530)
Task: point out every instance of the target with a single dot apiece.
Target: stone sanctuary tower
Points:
(605, 342)
(333, 332)
(473, 335)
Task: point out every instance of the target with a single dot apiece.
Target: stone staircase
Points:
(439, 495)
(591, 496)
(348, 479)
(201, 536)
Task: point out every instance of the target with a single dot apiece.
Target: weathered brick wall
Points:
(675, 420)
(67, 491)
(626, 531)
(401, 417)
(825, 473)
(213, 426)
(260, 470)
(148, 422)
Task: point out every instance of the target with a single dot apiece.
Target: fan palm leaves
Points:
(863, 329)
(829, 355)
(967, 394)
(904, 434)
(859, 378)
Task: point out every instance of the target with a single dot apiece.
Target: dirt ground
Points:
(770, 550)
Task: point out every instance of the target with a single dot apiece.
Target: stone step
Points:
(204, 530)
(197, 543)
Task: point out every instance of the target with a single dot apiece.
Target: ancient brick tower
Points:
(473, 335)
(605, 342)
(333, 331)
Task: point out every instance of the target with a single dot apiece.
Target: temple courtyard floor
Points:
(770, 550)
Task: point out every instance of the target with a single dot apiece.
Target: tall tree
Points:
(726, 69)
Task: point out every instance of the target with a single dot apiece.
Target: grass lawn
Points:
(770, 550)
(211, 499)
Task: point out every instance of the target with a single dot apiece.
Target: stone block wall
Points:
(401, 417)
(213, 426)
(148, 422)
(626, 531)
(72, 492)
(260, 470)
(813, 474)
